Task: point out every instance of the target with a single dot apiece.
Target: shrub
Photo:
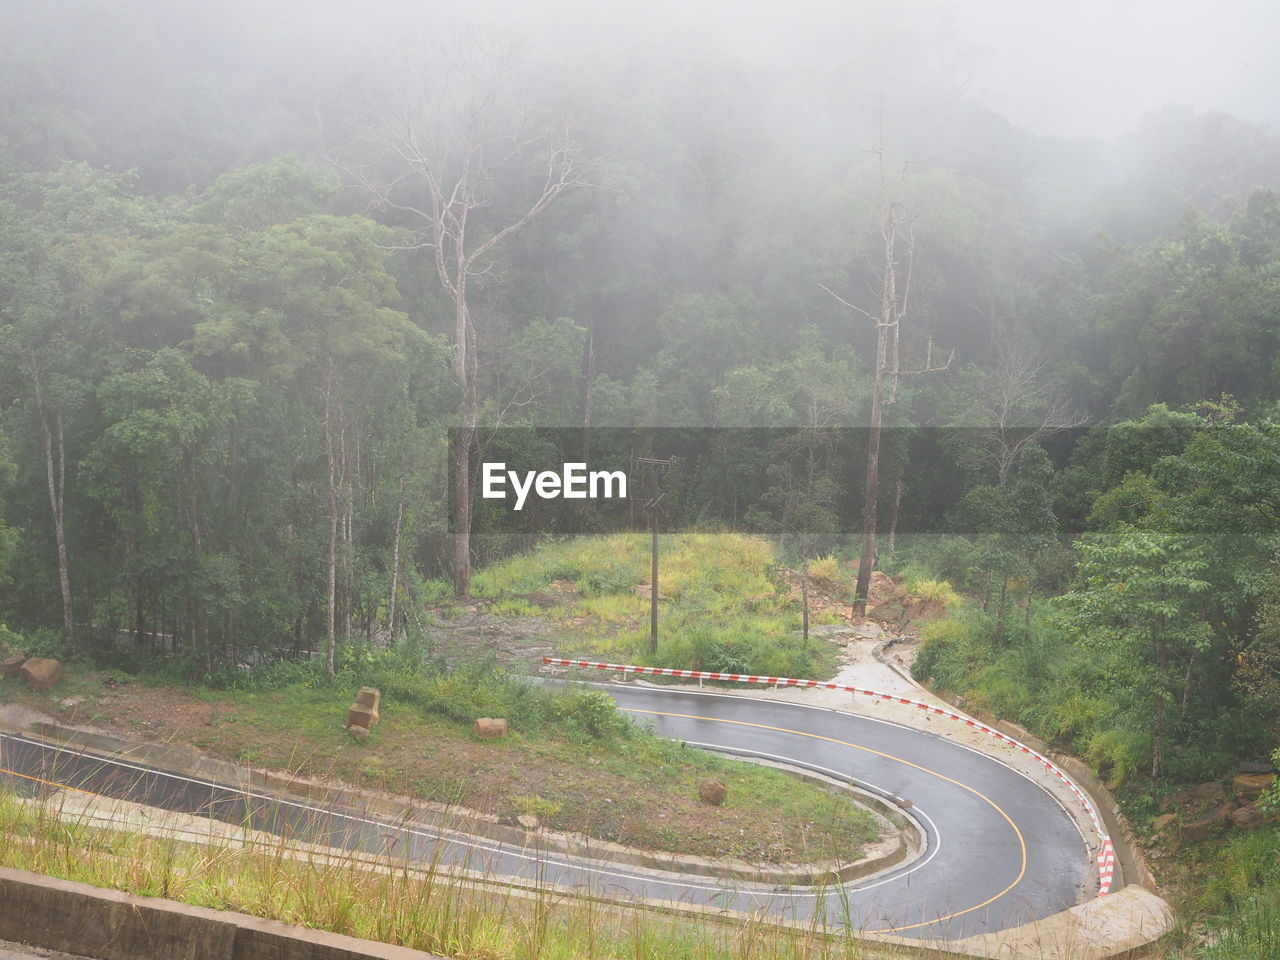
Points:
(602, 582)
(827, 572)
(592, 714)
(1118, 754)
(933, 591)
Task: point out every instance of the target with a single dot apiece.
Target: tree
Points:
(1139, 600)
(897, 236)
(1011, 524)
(58, 230)
(1020, 405)
(445, 141)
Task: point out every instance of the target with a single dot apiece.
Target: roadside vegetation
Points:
(724, 603)
(1149, 645)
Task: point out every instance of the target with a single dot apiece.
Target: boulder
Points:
(370, 698)
(1250, 786)
(1199, 829)
(1248, 818)
(359, 716)
(10, 666)
(528, 821)
(1213, 792)
(712, 791)
(41, 673)
(489, 728)
(358, 733)
(1159, 824)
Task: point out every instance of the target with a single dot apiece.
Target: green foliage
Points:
(1249, 933)
(1118, 754)
(720, 608)
(1139, 606)
(828, 572)
(1271, 798)
(535, 806)
(588, 713)
(932, 591)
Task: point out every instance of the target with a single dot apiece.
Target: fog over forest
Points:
(978, 301)
(260, 259)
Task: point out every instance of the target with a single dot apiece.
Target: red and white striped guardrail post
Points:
(1106, 854)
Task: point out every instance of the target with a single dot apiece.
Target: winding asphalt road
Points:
(1000, 851)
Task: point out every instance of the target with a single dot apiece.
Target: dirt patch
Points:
(517, 643)
(824, 596)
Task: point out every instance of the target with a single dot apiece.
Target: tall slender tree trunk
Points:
(1186, 687)
(229, 644)
(868, 557)
(199, 619)
(465, 371)
(57, 477)
(893, 516)
(1026, 613)
(395, 564)
(589, 374)
(331, 619)
(1004, 591)
(348, 506)
(1157, 752)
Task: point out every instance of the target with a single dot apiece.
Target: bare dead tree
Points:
(444, 134)
(1020, 406)
(897, 234)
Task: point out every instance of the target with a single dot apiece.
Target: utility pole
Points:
(656, 469)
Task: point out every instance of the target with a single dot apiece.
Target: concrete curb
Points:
(1105, 856)
(1132, 865)
(77, 918)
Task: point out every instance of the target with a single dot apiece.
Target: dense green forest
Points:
(247, 286)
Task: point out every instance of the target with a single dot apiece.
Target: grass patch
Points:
(722, 605)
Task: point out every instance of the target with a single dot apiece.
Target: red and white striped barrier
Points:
(1106, 854)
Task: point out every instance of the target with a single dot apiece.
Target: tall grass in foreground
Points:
(386, 899)
(421, 906)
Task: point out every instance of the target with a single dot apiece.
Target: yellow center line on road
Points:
(50, 783)
(888, 756)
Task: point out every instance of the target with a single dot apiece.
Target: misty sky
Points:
(1090, 68)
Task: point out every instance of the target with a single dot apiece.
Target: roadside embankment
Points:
(77, 918)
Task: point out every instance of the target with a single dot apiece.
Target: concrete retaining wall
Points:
(77, 918)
